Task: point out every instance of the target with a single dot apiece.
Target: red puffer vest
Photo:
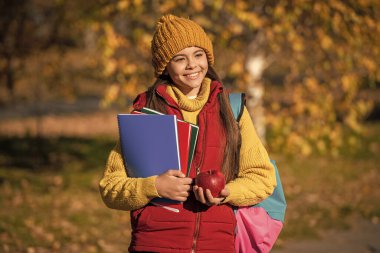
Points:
(197, 227)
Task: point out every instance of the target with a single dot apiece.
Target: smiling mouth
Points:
(193, 75)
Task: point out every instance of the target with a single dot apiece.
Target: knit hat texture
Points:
(174, 34)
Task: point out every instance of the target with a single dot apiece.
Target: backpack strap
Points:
(237, 102)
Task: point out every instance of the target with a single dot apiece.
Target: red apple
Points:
(213, 180)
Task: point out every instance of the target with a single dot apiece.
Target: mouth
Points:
(192, 76)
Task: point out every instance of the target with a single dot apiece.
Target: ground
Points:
(363, 237)
(58, 208)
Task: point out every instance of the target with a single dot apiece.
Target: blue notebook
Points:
(149, 143)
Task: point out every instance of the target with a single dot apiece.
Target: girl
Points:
(187, 86)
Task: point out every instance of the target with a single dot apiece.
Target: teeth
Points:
(193, 75)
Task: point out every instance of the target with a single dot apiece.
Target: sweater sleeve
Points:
(256, 179)
(121, 192)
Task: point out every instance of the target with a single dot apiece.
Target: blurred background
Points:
(310, 70)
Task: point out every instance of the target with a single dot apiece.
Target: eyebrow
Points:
(199, 50)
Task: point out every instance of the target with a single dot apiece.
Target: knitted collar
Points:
(186, 103)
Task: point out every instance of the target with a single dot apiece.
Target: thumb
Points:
(176, 173)
(225, 192)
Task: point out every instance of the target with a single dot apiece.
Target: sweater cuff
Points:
(150, 187)
(232, 190)
(235, 198)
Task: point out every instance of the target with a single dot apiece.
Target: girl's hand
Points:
(206, 197)
(173, 184)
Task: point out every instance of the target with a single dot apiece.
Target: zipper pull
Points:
(198, 170)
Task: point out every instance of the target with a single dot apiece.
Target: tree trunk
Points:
(256, 62)
(256, 65)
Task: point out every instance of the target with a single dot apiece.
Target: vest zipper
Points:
(198, 217)
(196, 232)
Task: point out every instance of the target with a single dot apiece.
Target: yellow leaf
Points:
(123, 5)
(197, 5)
(348, 82)
(111, 95)
(312, 84)
(167, 6)
(137, 3)
(236, 68)
(129, 68)
(109, 67)
(326, 42)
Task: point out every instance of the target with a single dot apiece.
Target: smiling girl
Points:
(188, 87)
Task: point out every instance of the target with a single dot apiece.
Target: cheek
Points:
(173, 71)
(179, 68)
(204, 63)
(204, 67)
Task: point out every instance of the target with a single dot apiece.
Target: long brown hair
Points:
(233, 138)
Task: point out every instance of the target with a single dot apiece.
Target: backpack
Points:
(258, 226)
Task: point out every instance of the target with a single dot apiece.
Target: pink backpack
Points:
(257, 231)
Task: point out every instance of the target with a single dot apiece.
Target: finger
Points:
(181, 199)
(186, 188)
(210, 198)
(187, 180)
(184, 194)
(176, 173)
(201, 195)
(195, 191)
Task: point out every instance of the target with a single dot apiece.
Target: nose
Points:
(191, 63)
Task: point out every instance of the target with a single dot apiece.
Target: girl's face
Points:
(187, 69)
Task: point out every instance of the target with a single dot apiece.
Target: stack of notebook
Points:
(152, 143)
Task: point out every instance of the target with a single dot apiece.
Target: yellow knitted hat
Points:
(174, 34)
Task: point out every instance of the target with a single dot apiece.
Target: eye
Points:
(179, 59)
(200, 54)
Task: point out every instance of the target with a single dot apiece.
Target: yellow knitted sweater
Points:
(255, 182)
